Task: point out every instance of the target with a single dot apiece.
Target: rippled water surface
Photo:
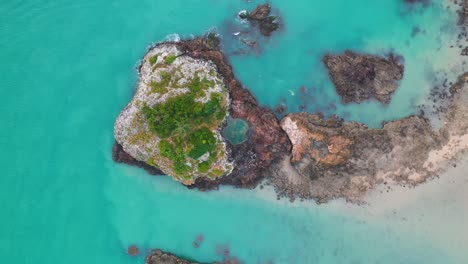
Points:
(68, 68)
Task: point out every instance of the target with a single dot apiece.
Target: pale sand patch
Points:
(436, 210)
(437, 159)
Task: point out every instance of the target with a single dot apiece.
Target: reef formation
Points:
(358, 77)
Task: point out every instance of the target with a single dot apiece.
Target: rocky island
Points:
(173, 122)
(172, 125)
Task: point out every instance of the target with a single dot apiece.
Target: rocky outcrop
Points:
(359, 77)
(266, 141)
(333, 159)
(261, 17)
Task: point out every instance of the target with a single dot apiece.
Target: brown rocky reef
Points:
(332, 158)
(160, 257)
(261, 17)
(266, 141)
(358, 77)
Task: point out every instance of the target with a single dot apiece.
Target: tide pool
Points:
(68, 68)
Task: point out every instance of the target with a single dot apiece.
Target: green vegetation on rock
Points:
(201, 141)
(170, 59)
(153, 59)
(185, 125)
(174, 120)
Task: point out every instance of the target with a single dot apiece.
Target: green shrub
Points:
(197, 86)
(170, 59)
(202, 141)
(218, 172)
(153, 59)
(213, 106)
(181, 168)
(204, 166)
(166, 149)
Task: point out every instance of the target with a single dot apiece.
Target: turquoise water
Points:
(68, 68)
(236, 131)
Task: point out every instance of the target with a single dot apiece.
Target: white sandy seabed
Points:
(436, 211)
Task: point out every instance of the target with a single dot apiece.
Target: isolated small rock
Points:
(359, 77)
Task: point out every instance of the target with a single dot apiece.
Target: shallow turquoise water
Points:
(236, 131)
(68, 69)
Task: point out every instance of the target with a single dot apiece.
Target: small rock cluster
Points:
(262, 18)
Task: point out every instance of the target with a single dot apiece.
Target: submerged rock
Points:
(133, 250)
(160, 257)
(358, 77)
(261, 17)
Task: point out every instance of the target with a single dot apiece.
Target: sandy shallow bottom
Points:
(434, 212)
(437, 210)
(425, 224)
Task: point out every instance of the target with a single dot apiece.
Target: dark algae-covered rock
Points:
(261, 17)
(358, 77)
